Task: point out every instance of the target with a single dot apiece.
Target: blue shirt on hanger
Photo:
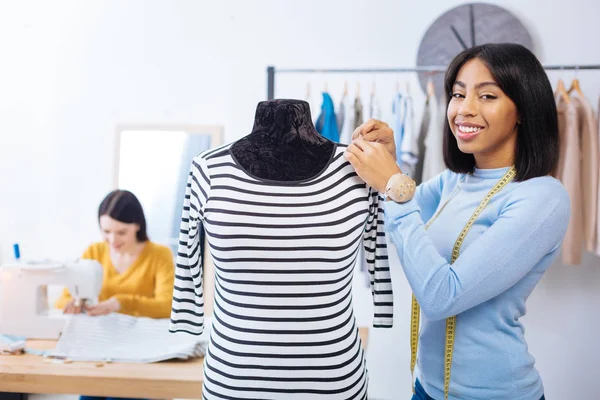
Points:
(327, 123)
(399, 114)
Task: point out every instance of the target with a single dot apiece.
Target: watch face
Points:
(463, 27)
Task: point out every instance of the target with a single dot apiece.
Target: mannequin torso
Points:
(285, 245)
(284, 144)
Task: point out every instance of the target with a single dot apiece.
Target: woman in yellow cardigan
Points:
(138, 274)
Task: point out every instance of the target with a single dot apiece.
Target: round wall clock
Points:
(466, 26)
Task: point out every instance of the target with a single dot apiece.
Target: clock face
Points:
(462, 27)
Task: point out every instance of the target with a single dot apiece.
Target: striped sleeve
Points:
(377, 260)
(187, 310)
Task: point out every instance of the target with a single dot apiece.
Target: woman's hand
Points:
(372, 162)
(74, 306)
(379, 132)
(104, 307)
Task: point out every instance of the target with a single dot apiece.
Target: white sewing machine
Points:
(24, 309)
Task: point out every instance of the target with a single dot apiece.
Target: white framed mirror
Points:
(153, 162)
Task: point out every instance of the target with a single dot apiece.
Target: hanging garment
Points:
(598, 191)
(588, 131)
(341, 114)
(347, 126)
(374, 107)
(410, 140)
(326, 123)
(314, 114)
(284, 256)
(358, 112)
(398, 113)
(433, 159)
(569, 173)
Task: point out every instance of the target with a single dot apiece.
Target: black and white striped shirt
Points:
(284, 254)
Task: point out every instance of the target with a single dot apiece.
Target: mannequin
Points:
(286, 244)
(284, 144)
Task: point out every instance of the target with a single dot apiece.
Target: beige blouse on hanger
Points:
(589, 167)
(569, 173)
(598, 191)
(578, 171)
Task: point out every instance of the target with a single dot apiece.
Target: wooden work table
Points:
(164, 380)
(169, 379)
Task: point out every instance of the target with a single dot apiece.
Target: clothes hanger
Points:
(430, 88)
(358, 90)
(561, 90)
(575, 84)
(408, 88)
(345, 89)
(373, 89)
(307, 91)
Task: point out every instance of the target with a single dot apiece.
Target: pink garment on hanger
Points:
(598, 188)
(569, 173)
(588, 134)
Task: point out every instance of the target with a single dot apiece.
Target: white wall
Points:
(72, 70)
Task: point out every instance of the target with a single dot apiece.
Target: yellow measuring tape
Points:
(451, 321)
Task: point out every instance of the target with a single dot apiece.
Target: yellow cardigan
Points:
(145, 289)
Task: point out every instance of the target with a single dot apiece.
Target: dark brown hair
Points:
(123, 206)
(522, 78)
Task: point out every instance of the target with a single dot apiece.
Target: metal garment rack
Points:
(434, 69)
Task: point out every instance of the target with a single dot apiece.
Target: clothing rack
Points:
(434, 69)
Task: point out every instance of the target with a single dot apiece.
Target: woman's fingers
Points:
(368, 127)
(356, 151)
(99, 309)
(364, 145)
(93, 310)
(375, 131)
(372, 136)
(371, 162)
(365, 128)
(71, 308)
(352, 159)
(360, 153)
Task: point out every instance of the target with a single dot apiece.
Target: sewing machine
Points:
(24, 308)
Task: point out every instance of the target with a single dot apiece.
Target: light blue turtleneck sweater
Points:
(503, 257)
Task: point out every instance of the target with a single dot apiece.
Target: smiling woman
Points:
(503, 90)
(138, 274)
(475, 240)
(477, 105)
